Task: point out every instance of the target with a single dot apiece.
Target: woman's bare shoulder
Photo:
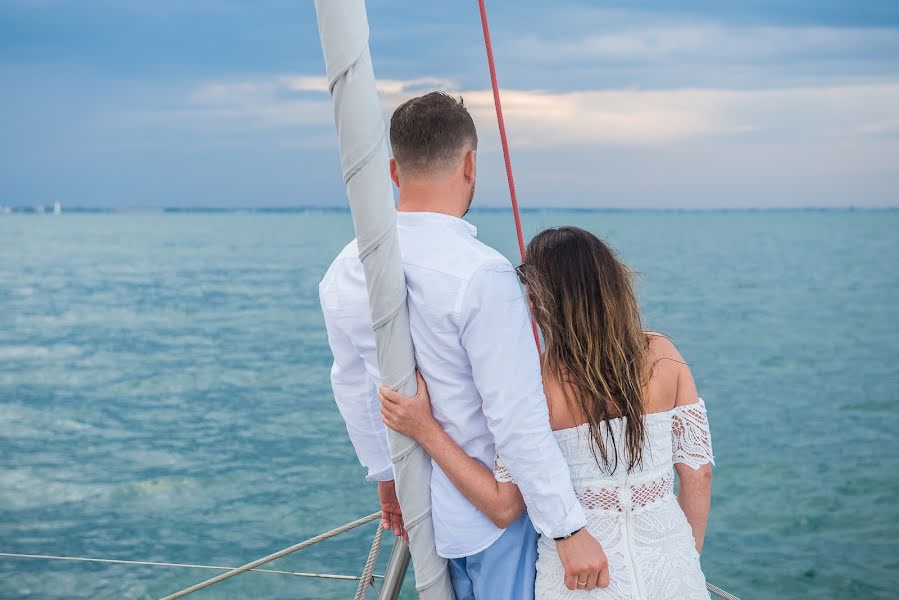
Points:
(560, 415)
(661, 347)
(668, 373)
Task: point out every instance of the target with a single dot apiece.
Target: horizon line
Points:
(300, 208)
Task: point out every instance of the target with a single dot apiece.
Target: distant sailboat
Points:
(57, 208)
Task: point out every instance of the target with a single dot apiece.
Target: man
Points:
(473, 346)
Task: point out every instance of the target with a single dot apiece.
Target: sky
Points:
(640, 104)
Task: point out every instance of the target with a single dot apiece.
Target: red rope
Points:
(502, 136)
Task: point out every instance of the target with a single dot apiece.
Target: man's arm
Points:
(357, 400)
(496, 333)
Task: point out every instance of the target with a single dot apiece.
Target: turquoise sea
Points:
(164, 395)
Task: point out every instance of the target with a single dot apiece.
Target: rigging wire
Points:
(497, 103)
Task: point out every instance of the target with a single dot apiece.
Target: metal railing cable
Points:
(147, 563)
(719, 592)
(274, 556)
(366, 580)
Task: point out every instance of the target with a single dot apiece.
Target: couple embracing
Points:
(553, 476)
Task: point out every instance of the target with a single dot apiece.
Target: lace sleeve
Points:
(500, 472)
(691, 439)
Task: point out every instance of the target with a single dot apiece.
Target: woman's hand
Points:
(408, 415)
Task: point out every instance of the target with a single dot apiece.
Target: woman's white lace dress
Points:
(635, 516)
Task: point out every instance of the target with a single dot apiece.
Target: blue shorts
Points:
(507, 570)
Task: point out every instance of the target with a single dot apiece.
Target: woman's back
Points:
(624, 409)
(667, 378)
(633, 512)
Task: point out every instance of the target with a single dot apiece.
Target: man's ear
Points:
(469, 165)
(394, 172)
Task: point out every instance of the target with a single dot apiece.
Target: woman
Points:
(626, 414)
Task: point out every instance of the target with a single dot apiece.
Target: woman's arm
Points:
(500, 502)
(695, 497)
(693, 457)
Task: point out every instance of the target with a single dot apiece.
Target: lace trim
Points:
(600, 499)
(646, 493)
(500, 472)
(691, 438)
(643, 495)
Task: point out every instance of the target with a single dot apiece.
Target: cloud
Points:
(624, 50)
(258, 106)
(820, 145)
(714, 43)
(304, 83)
(386, 87)
(882, 127)
(677, 104)
(291, 104)
(542, 118)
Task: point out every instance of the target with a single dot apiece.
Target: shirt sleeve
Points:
(356, 394)
(496, 333)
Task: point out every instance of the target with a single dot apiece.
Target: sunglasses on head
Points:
(520, 270)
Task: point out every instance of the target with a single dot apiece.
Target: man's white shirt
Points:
(475, 349)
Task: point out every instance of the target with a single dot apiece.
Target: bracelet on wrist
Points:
(565, 537)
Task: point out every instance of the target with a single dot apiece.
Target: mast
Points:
(343, 28)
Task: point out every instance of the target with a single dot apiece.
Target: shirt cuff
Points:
(575, 519)
(384, 474)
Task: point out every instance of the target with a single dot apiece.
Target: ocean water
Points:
(164, 395)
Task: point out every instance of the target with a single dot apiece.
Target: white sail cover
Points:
(343, 27)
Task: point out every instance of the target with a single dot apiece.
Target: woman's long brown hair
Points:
(584, 302)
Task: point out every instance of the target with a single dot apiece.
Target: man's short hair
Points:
(429, 134)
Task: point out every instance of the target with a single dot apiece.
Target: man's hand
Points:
(391, 515)
(586, 566)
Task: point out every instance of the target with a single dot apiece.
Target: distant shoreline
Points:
(345, 209)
